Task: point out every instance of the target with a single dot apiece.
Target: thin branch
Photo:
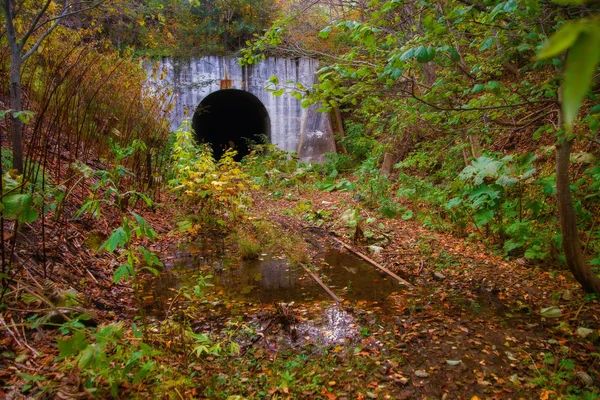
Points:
(61, 16)
(37, 18)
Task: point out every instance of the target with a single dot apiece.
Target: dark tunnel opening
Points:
(230, 118)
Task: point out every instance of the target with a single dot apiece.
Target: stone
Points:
(439, 276)
(421, 374)
(583, 332)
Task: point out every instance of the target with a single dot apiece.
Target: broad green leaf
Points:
(149, 257)
(116, 240)
(324, 33)
(582, 61)
(123, 272)
(453, 203)
(407, 55)
(487, 43)
(24, 116)
(561, 40)
(424, 54)
(73, 345)
(477, 88)
(483, 217)
(19, 206)
(144, 228)
(551, 312)
(3, 113)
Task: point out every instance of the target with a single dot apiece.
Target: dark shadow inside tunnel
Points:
(231, 118)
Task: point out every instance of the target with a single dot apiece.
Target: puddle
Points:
(246, 285)
(353, 279)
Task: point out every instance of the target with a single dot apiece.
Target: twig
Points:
(33, 351)
(320, 282)
(578, 311)
(375, 264)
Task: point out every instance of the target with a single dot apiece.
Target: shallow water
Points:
(246, 285)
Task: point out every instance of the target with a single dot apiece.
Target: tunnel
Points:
(231, 118)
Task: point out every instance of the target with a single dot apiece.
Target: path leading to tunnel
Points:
(471, 328)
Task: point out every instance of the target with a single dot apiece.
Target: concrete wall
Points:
(292, 128)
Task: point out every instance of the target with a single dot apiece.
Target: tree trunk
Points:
(568, 221)
(15, 87)
(16, 106)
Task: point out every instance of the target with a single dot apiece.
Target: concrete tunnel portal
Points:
(231, 118)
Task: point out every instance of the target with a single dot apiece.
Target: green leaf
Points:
(453, 203)
(19, 206)
(149, 257)
(483, 217)
(487, 43)
(123, 272)
(86, 357)
(551, 312)
(579, 70)
(560, 41)
(424, 54)
(407, 55)
(477, 88)
(3, 113)
(408, 214)
(144, 228)
(24, 116)
(116, 240)
(73, 345)
(324, 33)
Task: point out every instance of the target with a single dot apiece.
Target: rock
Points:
(583, 332)
(567, 295)
(584, 378)
(375, 249)
(389, 159)
(421, 374)
(439, 276)
(523, 262)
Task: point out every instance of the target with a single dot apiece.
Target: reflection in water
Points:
(274, 280)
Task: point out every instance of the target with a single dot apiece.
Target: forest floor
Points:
(473, 326)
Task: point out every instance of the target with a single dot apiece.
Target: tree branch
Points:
(56, 22)
(61, 15)
(37, 18)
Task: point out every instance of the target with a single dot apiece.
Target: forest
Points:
(444, 245)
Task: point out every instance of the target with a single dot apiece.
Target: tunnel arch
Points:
(228, 118)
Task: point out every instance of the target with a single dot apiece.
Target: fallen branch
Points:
(374, 263)
(320, 282)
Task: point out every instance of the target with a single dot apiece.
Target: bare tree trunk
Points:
(568, 221)
(15, 87)
(475, 145)
(16, 132)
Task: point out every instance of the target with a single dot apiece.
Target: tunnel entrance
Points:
(230, 118)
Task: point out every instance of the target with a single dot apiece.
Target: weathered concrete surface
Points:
(292, 128)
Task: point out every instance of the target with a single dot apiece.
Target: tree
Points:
(582, 40)
(44, 20)
(462, 71)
